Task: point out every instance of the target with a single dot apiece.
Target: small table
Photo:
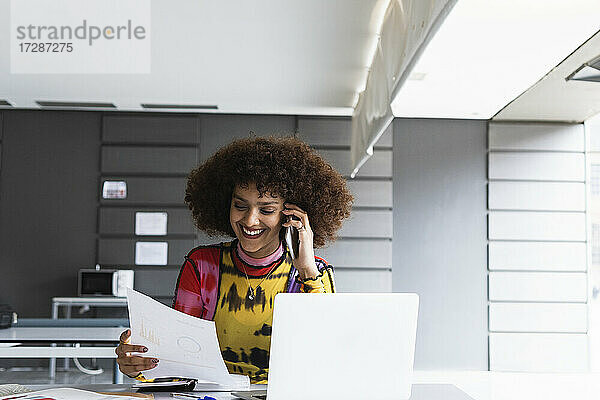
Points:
(69, 302)
(11, 338)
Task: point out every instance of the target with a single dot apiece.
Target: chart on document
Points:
(186, 346)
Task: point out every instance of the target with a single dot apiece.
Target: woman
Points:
(253, 189)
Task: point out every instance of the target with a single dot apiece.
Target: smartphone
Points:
(292, 240)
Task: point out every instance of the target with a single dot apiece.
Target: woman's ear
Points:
(281, 231)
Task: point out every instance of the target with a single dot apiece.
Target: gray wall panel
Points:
(157, 282)
(368, 223)
(119, 220)
(148, 160)
(143, 190)
(122, 251)
(48, 195)
(371, 193)
(378, 165)
(440, 237)
(162, 153)
(325, 131)
(331, 131)
(164, 129)
(363, 281)
(219, 130)
(357, 253)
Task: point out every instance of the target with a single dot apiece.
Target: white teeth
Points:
(252, 233)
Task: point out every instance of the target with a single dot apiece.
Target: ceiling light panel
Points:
(73, 104)
(589, 71)
(180, 106)
(487, 53)
(585, 73)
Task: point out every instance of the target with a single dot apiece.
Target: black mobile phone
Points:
(292, 241)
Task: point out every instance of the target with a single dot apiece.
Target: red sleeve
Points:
(187, 293)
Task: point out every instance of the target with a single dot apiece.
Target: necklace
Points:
(251, 293)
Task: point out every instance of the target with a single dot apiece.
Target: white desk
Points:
(486, 385)
(477, 385)
(419, 392)
(52, 335)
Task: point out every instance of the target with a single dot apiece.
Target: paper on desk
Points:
(241, 382)
(66, 394)
(186, 346)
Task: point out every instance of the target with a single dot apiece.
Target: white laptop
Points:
(341, 346)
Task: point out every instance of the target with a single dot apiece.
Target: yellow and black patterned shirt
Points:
(244, 322)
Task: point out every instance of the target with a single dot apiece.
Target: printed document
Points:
(65, 394)
(151, 223)
(186, 346)
(151, 253)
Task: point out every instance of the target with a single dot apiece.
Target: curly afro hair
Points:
(280, 166)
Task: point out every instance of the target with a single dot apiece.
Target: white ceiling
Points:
(487, 53)
(267, 56)
(312, 57)
(555, 99)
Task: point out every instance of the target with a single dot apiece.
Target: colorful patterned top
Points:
(212, 285)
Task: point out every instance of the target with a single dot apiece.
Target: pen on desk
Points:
(192, 396)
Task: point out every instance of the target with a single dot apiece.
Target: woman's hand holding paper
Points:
(130, 365)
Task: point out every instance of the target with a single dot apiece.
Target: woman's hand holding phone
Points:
(130, 365)
(305, 259)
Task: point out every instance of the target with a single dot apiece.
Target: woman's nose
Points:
(251, 218)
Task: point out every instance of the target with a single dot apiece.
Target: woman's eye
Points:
(242, 208)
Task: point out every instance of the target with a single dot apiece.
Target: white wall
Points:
(537, 247)
(592, 132)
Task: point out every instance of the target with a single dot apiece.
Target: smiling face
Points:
(256, 220)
